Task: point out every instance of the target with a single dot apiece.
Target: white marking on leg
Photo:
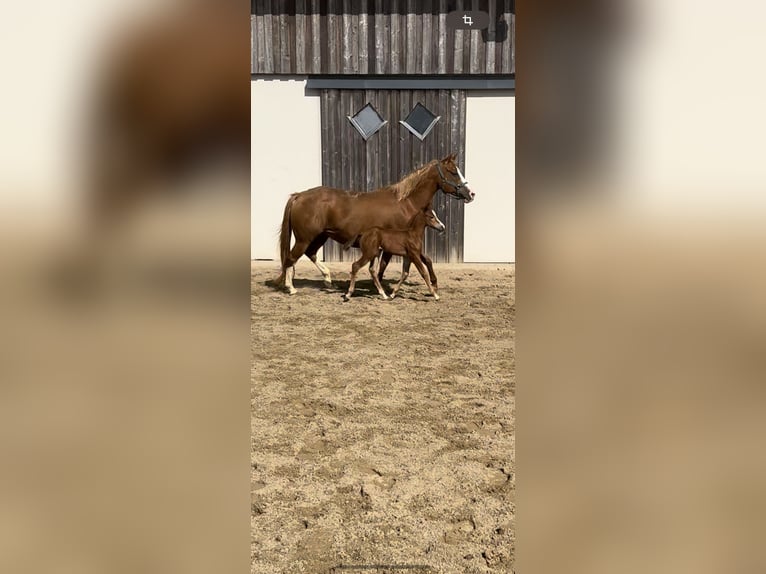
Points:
(290, 273)
(322, 269)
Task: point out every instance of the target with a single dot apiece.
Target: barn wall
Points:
(286, 155)
(376, 37)
(393, 152)
(489, 234)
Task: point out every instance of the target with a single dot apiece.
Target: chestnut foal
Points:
(406, 242)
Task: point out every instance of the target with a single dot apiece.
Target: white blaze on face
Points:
(438, 221)
(460, 173)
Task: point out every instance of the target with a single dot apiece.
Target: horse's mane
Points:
(410, 182)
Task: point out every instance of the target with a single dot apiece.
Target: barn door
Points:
(393, 150)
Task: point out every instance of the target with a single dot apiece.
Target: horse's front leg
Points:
(424, 274)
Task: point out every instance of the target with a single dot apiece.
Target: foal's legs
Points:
(355, 267)
(384, 259)
(431, 274)
(374, 275)
(428, 263)
(423, 273)
(405, 265)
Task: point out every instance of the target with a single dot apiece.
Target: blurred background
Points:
(640, 286)
(124, 339)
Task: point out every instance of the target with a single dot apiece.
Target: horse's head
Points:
(451, 180)
(433, 221)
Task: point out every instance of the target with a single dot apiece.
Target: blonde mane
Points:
(410, 183)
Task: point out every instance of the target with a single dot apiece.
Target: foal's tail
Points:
(287, 229)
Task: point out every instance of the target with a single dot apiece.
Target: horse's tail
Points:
(287, 229)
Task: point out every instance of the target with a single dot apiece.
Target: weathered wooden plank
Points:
(371, 145)
(300, 37)
(489, 47)
(358, 172)
(467, 37)
(499, 46)
(411, 47)
(430, 41)
(394, 47)
(268, 43)
(512, 40)
(363, 40)
(393, 146)
(325, 121)
(314, 59)
(474, 60)
(457, 47)
(505, 64)
(331, 41)
(381, 38)
(347, 39)
(405, 149)
(276, 37)
(334, 134)
(284, 41)
(256, 61)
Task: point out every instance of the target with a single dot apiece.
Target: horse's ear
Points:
(452, 156)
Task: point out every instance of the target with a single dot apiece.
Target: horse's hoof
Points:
(436, 297)
(292, 291)
(346, 297)
(385, 297)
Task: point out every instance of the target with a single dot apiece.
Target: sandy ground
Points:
(383, 431)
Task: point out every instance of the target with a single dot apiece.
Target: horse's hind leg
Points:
(311, 253)
(289, 266)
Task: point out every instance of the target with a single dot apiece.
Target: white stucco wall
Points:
(286, 155)
(490, 171)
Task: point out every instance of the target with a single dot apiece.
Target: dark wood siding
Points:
(348, 162)
(375, 37)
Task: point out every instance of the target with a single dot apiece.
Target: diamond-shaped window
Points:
(367, 121)
(420, 121)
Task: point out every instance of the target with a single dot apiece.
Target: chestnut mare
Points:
(317, 214)
(407, 242)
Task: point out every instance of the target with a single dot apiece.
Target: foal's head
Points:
(451, 180)
(433, 221)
